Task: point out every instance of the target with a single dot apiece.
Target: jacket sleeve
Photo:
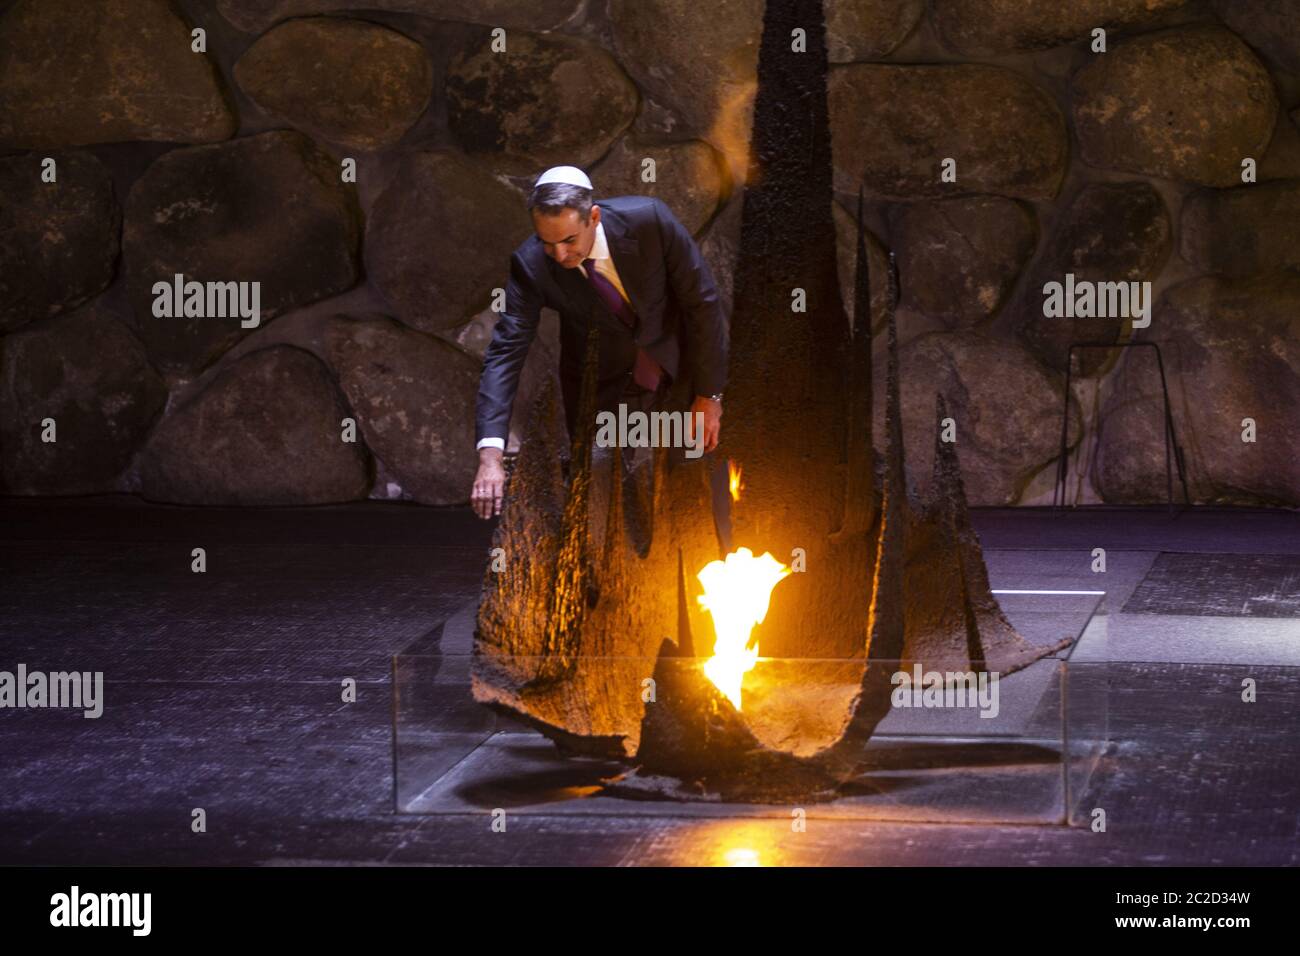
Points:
(505, 356)
(708, 334)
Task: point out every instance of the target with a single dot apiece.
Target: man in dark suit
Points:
(628, 266)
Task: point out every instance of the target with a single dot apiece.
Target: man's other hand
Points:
(712, 411)
(489, 483)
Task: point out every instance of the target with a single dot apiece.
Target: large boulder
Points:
(89, 374)
(551, 100)
(1188, 104)
(344, 81)
(414, 397)
(1270, 26)
(1005, 406)
(892, 128)
(1231, 350)
(704, 70)
(993, 27)
(58, 241)
(74, 73)
(689, 177)
(1245, 230)
(959, 258)
(868, 29)
(1110, 232)
(268, 208)
(440, 237)
(267, 430)
(254, 16)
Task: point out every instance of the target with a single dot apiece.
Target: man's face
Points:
(564, 237)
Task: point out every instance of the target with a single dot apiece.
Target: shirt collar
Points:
(599, 248)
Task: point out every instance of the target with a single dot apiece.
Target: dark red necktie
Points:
(646, 372)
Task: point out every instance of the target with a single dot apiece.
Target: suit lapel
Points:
(573, 285)
(626, 253)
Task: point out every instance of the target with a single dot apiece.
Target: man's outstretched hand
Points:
(712, 411)
(489, 483)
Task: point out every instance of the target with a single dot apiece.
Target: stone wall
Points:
(228, 163)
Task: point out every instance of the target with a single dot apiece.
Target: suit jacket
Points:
(680, 321)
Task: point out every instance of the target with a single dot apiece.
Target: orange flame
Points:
(733, 478)
(737, 593)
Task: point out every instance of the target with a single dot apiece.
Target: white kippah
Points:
(564, 174)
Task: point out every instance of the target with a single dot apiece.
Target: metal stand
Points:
(1173, 451)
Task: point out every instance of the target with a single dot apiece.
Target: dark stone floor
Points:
(223, 692)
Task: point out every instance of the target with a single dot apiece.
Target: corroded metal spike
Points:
(950, 497)
(685, 641)
(586, 419)
(527, 533)
(805, 728)
(569, 599)
(616, 541)
(895, 466)
(885, 623)
(992, 643)
(859, 502)
(862, 283)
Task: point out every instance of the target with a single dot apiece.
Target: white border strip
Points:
(1008, 591)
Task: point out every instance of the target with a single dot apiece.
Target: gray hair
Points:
(552, 198)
